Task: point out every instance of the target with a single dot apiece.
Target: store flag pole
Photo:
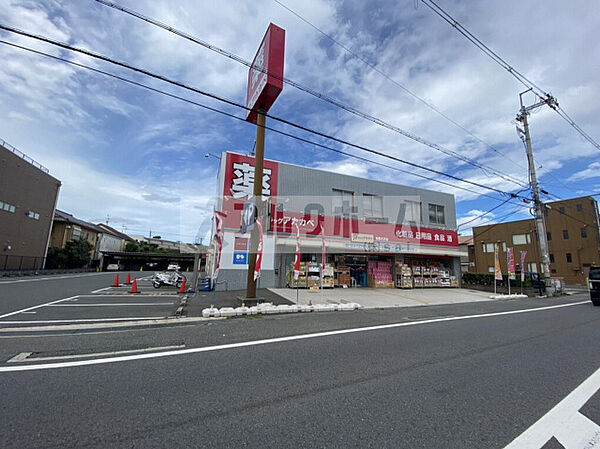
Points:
(322, 259)
(508, 269)
(297, 261)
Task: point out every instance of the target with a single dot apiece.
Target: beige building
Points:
(573, 239)
(67, 228)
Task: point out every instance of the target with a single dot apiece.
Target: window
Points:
(569, 258)
(503, 246)
(488, 247)
(372, 205)
(491, 270)
(33, 215)
(583, 233)
(553, 271)
(548, 236)
(343, 202)
(77, 234)
(521, 239)
(565, 234)
(561, 209)
(532, 267)
(579, 208)
(412, 211)
(551, 258)
(7, 207)
(436, 214)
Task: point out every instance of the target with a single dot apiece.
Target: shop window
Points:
(436, 214)
(33, 215)
(551, 258)
(532, 267)
(579, 208)
(548, 236)
(343, 202)
(521, 239)
(565, 234)
(372, 205)
(569, 258)
(583, 233)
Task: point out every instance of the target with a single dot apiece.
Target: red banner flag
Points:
(297, 259)
(523, 255)
(259, 251)
(511, 263)
(219, 216)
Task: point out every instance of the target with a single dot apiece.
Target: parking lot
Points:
(101, 305)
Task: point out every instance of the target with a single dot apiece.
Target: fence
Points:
(17, 263)
(22, 155)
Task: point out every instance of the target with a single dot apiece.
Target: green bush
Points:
(488, 279)
(75, 254)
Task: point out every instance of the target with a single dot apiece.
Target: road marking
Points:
(37, 307)
(128, 295)
(153, 355)
(19, 357)
(116, 304)
(101, 289)
(90, 320)
(50, 278)
(31, 313)
(24, 356)
(564, 422)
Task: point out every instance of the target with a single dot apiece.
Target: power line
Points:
(514, 72)
(311, 91)
(389, 78)
(232, 103)
(485, 213)
(227, 114)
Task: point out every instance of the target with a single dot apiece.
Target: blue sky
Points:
(138, 156)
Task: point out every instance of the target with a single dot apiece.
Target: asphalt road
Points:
(474, 382)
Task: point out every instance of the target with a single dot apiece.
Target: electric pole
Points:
(537, 203)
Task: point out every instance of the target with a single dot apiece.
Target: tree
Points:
(78, 253)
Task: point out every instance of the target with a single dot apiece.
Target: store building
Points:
(28, 196)
(375, 233)
(573, 241)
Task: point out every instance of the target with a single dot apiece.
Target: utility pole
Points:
(537, 204)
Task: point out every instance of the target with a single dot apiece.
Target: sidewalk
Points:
(204, 300)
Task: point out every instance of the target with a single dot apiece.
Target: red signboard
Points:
(344, 228)
(265, 77)
(239, 184)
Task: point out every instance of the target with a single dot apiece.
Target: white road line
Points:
(271, 340)
(24, 356)
(101, 289)
(129, 295)
(116, 304)
(19, 357)
(37, 307)
(90, 320)
(564, 422)
(52, 278)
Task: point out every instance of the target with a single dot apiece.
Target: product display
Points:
(379, 274)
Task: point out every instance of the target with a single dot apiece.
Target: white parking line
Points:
(91, 320)
(101, 289)
(153, 355)
(116, 304)
(564, 422)
(38, 306)
(51, 278)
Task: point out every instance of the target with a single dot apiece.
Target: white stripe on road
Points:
(38, 306)
(51, 278)
(24, 356)
(101, 289)
(131, 295)
(116, 304)
(90, 320)
(273, 340)
(564, 422)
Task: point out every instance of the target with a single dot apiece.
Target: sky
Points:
(136, 158)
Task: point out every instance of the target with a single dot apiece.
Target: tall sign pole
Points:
(265, 82)
(537, 204)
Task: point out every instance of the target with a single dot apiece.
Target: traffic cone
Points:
(134, 288)
(116, 283)
(182, 288)
(128, 281)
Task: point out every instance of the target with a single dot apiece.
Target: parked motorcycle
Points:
(172, 278)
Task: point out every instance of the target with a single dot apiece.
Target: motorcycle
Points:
(173, 279)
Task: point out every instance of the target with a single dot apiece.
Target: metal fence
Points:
(22, 155)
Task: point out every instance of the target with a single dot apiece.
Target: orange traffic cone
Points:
(182, 288)
(134, 288)
(128, 281)
(116, 283)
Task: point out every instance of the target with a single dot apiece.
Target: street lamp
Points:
(212, 155)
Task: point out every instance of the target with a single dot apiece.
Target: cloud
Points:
(593, 171)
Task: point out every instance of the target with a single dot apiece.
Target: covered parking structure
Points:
(134, 261)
